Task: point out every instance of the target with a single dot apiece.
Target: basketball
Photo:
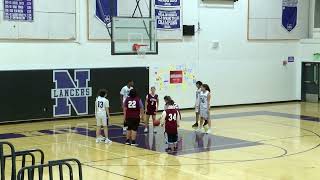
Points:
(156, 123)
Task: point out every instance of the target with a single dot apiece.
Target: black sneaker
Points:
(133, 143)
(195, 125)
(128, 142)
(205, 123)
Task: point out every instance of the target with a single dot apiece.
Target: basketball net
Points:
(140, 49)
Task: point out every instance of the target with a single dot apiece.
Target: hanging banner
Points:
(18, 10)
(105, 9)
(170, 3)
(289, 14)
(168, 19)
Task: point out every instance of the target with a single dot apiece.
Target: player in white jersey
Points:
(204, 112)
(124, 93)
(197, 103)
(102, 116)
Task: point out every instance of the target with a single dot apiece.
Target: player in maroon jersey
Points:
(151, 104)
(133, 112)
(170, 119)
(167, 100)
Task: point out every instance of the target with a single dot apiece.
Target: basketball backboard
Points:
(131, 34)
(131, 26)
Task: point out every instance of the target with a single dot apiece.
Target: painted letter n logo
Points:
(71, 92)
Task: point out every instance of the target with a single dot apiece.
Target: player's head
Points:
(133, 93)
(198, 84)
(205, 87)
(153, 89)
(102, 93)
(130, 83)
(167, 99)
(170, 102)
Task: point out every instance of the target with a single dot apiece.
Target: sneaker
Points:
(208, 131)
(134, 143)
(205, 123)
(98, 140)
(154, 130)
(107, 141)
(128, 142)
(124, 130)
(145, 130)
(195, 125)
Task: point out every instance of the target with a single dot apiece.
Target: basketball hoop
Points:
(140, 49)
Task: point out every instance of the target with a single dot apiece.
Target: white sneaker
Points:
(208, 131)
(154, 130)
(145, 130)
(108, 141)
(98, 140)
(124, 130)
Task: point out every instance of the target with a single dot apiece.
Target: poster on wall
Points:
(168, 19)
(289, 14)
(18, 10)
(168, 3)
(175, 80)
(105, 9)
(176, 77)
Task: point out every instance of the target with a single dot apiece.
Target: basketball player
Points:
(170, 120)
(168, 99)
(133, 112)
(198, 85)
(151, 105)
(204, 105)
(123, 96)
(102, 116)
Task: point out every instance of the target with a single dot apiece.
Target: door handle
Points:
(308, 82)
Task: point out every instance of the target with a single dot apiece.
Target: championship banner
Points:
(169, 3)
(18, 10)
(168, 19)
(289, 14)
(105, 9)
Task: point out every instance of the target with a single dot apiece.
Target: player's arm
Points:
(209, 100)
(178, 119)
(95, 107)
(124, 108)
(162, 118)
(157, 104)
(121, 96)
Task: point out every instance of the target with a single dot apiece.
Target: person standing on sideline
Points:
(197, 103)
(124, 93)
(151, 105)
(133, 107)
(102, 116)
(205, 98)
